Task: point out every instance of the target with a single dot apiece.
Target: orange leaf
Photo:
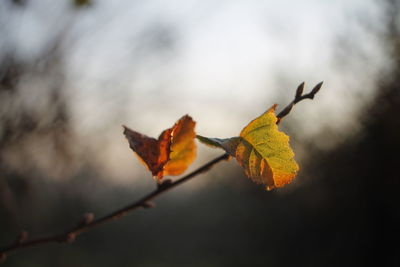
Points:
(183, 147)
(171, 153)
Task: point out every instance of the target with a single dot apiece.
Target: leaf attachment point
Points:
(299, 91)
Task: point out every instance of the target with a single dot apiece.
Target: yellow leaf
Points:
(262, 150)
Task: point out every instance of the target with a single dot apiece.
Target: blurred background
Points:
(72, 72)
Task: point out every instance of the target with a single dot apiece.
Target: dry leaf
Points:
(171, 153)
(183, 147)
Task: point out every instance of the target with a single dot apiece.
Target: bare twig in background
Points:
(88, 222)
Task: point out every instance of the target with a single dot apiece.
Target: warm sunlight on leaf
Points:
(171, 153)
(183, 147)
(152, 152)
(262, 150)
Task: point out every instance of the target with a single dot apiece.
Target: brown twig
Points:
(88, 222)
(298, 97)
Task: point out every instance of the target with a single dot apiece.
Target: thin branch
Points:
(86, 225)
(87, 222)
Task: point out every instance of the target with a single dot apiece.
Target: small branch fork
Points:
(88, 221)
(298, 97)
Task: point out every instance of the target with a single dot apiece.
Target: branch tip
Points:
(316, 88)
(298, 97)
(299, 91)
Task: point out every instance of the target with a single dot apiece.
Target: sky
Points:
(146, 63)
